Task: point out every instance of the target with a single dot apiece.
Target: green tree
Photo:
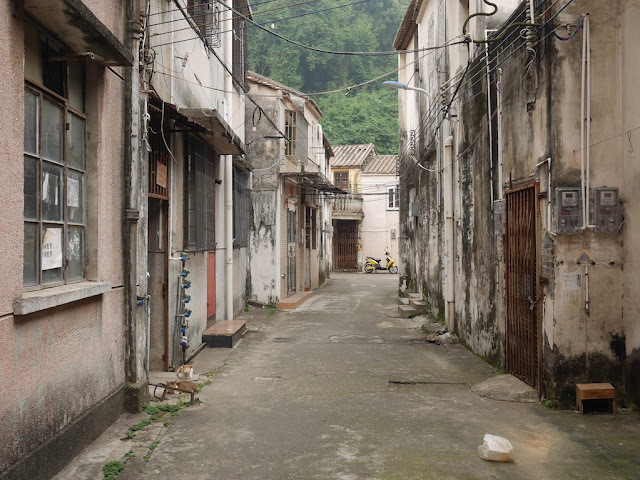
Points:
(365, 115)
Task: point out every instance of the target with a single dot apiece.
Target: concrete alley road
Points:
(342, 389)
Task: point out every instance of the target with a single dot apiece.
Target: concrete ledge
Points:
(224, 334)
(419, 305)
(45, 461)
(36, 301)
(406, 311)
(403, 301)
(294, 301)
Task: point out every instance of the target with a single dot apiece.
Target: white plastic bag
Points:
(495, 449)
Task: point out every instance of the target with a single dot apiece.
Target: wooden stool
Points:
(596, 391)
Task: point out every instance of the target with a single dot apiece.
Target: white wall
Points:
(379, 220)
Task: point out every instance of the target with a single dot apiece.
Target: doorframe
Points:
(515, 187)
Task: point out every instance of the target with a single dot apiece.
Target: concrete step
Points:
(294, 301)
(224, 333)
(406, 311)
(413, 296)
(419, 305)
(403, 301)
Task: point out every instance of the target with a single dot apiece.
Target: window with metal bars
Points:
(241, 208)
(393, 198)
(206, 15)
(199, 195)
(239, 56)
(290, 132)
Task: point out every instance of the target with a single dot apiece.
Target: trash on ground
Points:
(495, 449)
(447, 338)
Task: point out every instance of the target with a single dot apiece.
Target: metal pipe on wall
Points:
(447, 180)
(228, 181)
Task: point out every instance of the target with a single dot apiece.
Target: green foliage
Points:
(129, 455)
(140, 425)
(367, 114)
(112, 469)
(153, 445)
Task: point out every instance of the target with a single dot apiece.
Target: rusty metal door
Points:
(345, 247)
(522, 352)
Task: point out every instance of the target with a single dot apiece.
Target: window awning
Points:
(76, 25)
(222, 137)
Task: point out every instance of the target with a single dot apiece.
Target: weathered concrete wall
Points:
(63, 360)
(630, 194)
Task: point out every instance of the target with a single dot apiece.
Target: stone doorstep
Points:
(294, 301)
(414, 296)
(403, 301)
(224, 333)
(419, 305)
(406, 311)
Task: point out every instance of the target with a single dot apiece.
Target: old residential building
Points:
(65, 160)
(198, 182)
(347, 166)
(380, 207)
(289, 154)
(519, 184)
(122, 127)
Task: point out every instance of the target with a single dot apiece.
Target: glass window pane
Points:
(30, 122)
(52, 121)
(75, 197)
(75, 253)
(51, 192)
(76, 78)
(51, 255)
(30, 262)
(75, 142)
(31, 188)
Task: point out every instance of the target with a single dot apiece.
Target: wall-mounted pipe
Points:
(585, 124)
(447, 180)
(500, 140)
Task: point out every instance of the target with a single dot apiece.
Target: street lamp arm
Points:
(402, 86)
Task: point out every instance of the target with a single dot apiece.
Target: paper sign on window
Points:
(73, 192)
(52, 249)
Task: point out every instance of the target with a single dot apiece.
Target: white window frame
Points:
(393, 198)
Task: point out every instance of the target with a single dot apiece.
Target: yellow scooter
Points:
(373, 264)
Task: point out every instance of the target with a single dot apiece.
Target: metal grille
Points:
(158, 171)
(199, 195)
(431, 55)
(520, 256)
(442, 26)
(239, 43)
(345, 246)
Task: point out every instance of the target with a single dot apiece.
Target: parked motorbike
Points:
(373, 264)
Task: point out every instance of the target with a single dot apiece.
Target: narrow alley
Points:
(344, 389)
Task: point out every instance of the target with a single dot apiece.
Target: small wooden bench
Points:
(596, 391)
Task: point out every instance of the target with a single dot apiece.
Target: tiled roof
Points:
(382, 165)
(408, 25)
(352, 155)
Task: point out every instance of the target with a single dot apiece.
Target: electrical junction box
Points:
(569, 207)
(606, 210)
(498, 217)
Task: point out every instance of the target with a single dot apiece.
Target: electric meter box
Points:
(606, 210)
(569, 207)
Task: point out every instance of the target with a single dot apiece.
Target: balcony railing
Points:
(348, 205)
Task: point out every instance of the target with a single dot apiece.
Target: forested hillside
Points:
(363, 115)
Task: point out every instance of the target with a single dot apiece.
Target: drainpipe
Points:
(447, 180)
(135, 371)
(500, 140)
(228, 181)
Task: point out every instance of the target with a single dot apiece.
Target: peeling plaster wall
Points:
(603, 343)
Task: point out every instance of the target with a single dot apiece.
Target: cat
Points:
(182, 385)
(185, 371)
